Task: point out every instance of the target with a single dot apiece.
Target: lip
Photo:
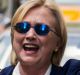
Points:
(30, 47)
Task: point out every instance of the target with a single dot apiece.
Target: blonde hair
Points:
(61, 30)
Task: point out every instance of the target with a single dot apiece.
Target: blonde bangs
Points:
(23, 9)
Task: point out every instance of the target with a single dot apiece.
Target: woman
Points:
(38, 39)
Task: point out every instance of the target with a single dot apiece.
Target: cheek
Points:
(17, 41)
(18, 37)
(48, 46)
(49, 42)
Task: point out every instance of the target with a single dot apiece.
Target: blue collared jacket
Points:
(71, 67)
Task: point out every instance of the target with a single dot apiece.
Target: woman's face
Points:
(32, 48)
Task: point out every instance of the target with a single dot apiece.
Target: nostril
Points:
(30, 38)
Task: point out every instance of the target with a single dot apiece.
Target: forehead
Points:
(40, 14)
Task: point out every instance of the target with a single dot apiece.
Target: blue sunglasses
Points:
(40, 28)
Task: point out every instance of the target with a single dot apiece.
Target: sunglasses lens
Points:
(22, 27)
(42, 29)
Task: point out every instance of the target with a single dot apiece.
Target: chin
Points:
(29, 60)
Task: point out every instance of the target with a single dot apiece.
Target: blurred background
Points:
(70, 10)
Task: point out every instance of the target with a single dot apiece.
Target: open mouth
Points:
(30, 47)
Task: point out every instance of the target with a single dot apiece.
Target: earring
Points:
(56, 50)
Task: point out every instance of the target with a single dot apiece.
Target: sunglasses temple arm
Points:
(55, 32)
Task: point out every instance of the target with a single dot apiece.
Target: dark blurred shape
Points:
(3, 5)
(16, 4)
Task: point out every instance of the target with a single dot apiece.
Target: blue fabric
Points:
(71, 67)
(7, 70)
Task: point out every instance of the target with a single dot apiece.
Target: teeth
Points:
(31, 46)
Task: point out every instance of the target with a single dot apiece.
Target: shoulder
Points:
(56, 70)
(72, 67)
(7, 70)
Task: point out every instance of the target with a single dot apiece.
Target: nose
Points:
(30, 35)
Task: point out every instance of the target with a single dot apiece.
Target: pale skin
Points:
(36, 63)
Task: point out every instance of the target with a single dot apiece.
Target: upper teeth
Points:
(32, 46)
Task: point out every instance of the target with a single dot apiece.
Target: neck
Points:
(33, 70)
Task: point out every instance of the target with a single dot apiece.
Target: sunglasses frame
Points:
(38, 24)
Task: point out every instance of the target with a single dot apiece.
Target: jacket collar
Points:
(55, 70)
